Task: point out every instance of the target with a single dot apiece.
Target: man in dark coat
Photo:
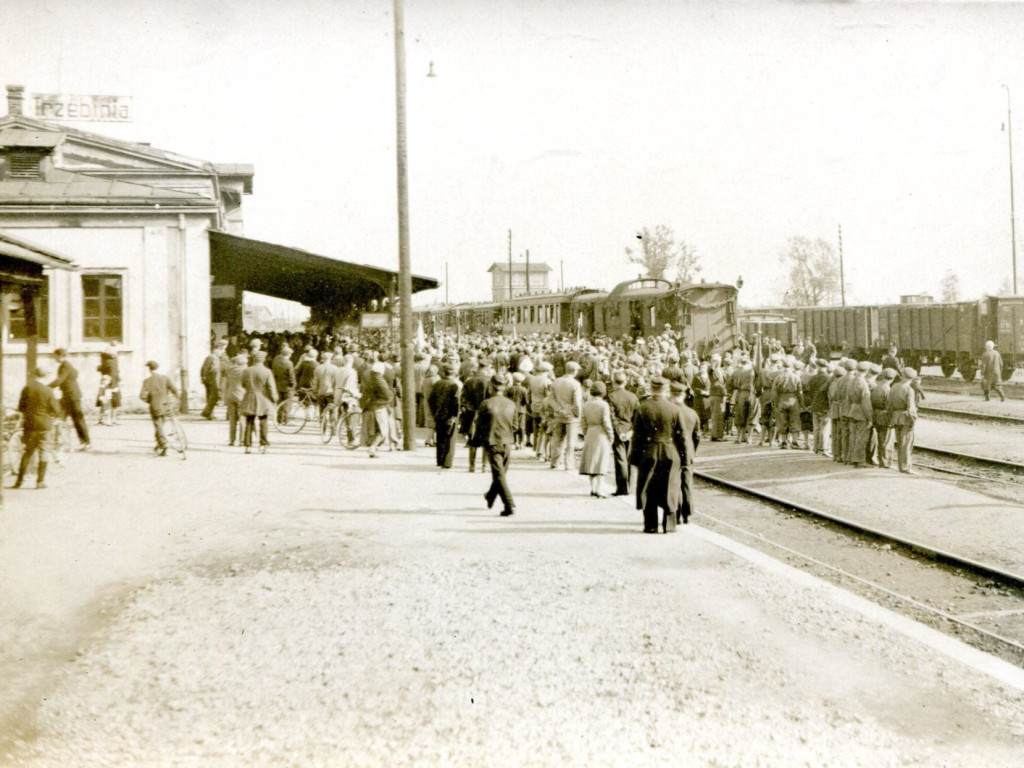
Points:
(474, 392)
(657, 439)
(210, 374)
(443, 402)
(688, 422)
(623, 404)
(39, 410)
(284, 374)
(495, 423)
(156, 390)
(71, 396)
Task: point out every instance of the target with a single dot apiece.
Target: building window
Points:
(102, 308)
(16, 326)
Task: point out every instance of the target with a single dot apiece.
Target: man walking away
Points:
(155, 391)
(443, 402)
(623, 404)
(495, 422)
(38, 407)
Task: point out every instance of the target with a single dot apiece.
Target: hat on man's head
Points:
(659, 382)
(448, 369)
(677, 386)
(850, 365)
(863, 366)
(518, 377)
(378, 367)
(909, 373)
(152, 365)
(838, 371)
(888, 374)
(259, 355)
(573, 366)
(499, 380)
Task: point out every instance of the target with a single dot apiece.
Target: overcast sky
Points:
(576, 124)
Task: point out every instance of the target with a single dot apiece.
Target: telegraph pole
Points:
(510, 263)
(527, 271)
(404, 267)
(1013, 218)
(842, 281)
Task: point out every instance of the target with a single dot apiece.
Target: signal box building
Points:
(537, 274)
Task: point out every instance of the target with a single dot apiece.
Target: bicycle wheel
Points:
(175, 434)
(350, 430)
(290, 417)
(12, 453)
(327, 424)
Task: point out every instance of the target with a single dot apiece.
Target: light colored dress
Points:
(596, 421)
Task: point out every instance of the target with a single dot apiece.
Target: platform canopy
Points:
(291, 273)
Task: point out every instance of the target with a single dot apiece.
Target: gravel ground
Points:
(290, 610)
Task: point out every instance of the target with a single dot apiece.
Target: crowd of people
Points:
(640, 406)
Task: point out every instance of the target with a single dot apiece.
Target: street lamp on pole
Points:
(1013, 218)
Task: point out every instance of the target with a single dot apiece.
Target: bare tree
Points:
(661, 256)
(813, 272)
(950, 285)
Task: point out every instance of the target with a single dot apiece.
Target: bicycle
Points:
(55, 445)
(174, 433)
(347, 420)
(291, 415)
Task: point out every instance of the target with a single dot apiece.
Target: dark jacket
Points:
(376, 393)
(443, 401)
(495, 421)
(67, 381)
(155, 391)
(39, 407)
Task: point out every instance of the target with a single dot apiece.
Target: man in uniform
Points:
(817, 395)
(156, 390)
(657, 440)
(495, 423)
(880, 418)
(474, 392)
(835, 410)
(788, 394)
(232, 393)
(688, 421)
(991, 371)
(39, 410)
(902, 406)
(284, 375)
(858, 414)
(623, 404)
(845, 423)
(741, 387)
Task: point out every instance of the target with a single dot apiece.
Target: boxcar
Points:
(768, 324)
(705, 314)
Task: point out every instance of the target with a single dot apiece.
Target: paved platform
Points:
(929, 510)
(317, 607)
(975, 404)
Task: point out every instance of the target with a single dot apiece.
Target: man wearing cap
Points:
(858, 414)
(991, 370)
(716, 401)
(623, 404)
(443, 402)
(817, 396)
(232, 393)
(39, 410)
(567, 404)
(902, 407)
(788, 393)
(156, 390)
(688, 422)
(260, 394)
(836, 401)
(657, 454)
(539, 385)
(210, 375)
(495, 421)
(284, 375)
(741, 388)
(881, 432)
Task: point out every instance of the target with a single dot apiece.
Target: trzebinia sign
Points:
(63, 107)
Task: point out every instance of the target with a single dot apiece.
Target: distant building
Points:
(917, 298)
(500, 284)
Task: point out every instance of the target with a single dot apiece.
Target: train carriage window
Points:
(686, 315)
(653, 318)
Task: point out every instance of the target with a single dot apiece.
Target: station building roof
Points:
(22, 261)
(298, 275)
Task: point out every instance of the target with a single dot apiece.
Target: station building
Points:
(161, 262)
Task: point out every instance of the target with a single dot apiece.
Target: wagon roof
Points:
(644, 286)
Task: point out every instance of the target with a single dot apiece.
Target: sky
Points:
(574, 125)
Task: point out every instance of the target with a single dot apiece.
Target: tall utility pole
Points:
(404, 267)
(527, 271)
(446, 282)
(561, 274)
(842, 281)
(1013, 218)
(510, 263)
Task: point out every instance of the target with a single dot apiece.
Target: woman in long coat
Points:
(596, 420)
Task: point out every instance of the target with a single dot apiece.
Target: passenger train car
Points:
(704, 313)
(950, 335)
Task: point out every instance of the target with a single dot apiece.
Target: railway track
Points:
(1003, 590)
(959, 415)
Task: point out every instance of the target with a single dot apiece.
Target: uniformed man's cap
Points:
(499, 380)
(545, 366)
(775, 357)
(152, 365)
(797, 365)
(518, 377)
(888, 374)
(448, 369)
(659, 382)
(863, 366)
(850, 365)
(678, 386)
(876, 368)
(909, 373)
(838, 372)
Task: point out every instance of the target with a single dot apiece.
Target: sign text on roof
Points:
(63, 107)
